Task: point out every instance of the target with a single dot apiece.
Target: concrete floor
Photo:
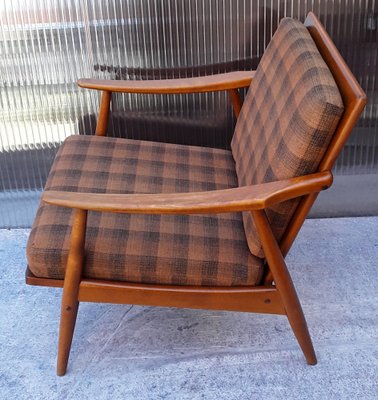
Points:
(124, 352)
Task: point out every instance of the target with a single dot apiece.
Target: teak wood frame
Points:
(277, 294)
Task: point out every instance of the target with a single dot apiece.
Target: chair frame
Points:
(277, 294)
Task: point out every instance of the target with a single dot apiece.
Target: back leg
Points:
(284, 285)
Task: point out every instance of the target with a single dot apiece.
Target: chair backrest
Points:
(354, 99)
(293, 120)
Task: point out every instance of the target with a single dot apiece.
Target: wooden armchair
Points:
(127, 221)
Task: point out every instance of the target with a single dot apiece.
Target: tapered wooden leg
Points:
(284, 285)
(66, 330)
(103, 115)
(71, 285)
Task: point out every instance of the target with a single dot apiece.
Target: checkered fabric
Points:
(207, 250)
(290, 113)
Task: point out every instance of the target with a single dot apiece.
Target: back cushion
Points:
(288, 118)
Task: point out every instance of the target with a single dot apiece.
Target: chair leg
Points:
(70, 301)
(284, 285)
(299, 326)
(66, 330)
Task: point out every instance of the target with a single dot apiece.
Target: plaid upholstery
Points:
(208, 250)
(290, 113)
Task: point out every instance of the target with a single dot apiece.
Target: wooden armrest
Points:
(210, 83)
(244, 198)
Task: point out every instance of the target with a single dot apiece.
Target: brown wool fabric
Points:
(208, 250)
(288, 118)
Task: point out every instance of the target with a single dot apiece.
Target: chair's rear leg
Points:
(284, 285)
(70, 303)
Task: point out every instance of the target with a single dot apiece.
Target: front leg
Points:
(70, 302)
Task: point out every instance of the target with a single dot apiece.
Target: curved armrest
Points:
(210, 83)
(244, 198)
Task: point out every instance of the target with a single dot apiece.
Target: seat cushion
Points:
(209, 250)
(287, 121)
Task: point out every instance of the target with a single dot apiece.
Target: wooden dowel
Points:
(70, 303)
(236, 101)
(103, 116)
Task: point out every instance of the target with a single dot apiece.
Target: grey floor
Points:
(124, 352)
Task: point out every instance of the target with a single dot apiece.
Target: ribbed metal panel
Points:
(45, 45)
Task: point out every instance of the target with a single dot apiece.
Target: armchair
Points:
(127, 221)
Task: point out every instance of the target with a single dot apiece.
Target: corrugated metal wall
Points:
(45, 45)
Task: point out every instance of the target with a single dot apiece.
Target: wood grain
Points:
(228, 200)
(262, 299)
(70, 302)
(210, 83)
(247, 299)
(103, 115)
(236, 101)
(284, 285)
